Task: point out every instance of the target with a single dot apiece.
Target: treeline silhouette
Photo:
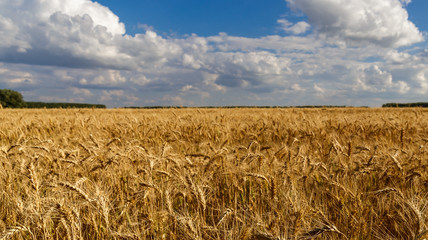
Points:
(404, 105)
(62, 105)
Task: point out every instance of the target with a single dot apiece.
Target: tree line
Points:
(13, 99)
(403, 105)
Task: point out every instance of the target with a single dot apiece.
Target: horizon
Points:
(216, 53)
(33, 105)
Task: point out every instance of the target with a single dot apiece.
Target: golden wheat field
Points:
(254, 174)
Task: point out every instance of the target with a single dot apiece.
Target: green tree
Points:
(11, 99)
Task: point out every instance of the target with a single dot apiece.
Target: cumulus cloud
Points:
(81, 91)
(422, 80)
(358, 22)
(40, 11)
(74, 33)
(374, 79)
(225, 43)
(297, 28)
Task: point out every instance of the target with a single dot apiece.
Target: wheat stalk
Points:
(10, 232)
(76, 189)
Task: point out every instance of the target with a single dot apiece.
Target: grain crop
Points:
(240, 174)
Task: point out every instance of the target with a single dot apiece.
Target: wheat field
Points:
(256, 174)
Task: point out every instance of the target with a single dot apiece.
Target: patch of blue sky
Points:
(249, 18)
(418, 14)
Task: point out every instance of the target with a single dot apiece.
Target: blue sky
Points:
(251, 18)
(215, 53)
(417, 14)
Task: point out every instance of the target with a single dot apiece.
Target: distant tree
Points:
(11, 99)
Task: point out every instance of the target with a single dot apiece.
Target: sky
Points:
(215, 53)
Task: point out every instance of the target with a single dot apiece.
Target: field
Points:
(254, 174)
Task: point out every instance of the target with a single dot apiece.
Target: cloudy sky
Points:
(215, 53)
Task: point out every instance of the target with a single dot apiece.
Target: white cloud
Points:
(422, 80)
(7, 26)
(63, 75)
(402, 87)
(140, 79)
(149, 49)
(358, 22)
(224, 42)
(189, 60)
(145, 27)
(108, 77)
(318, 89)
(75, 33)
(396, 57)
(72, 33)
(297, 87)
(297, 28)
(374, 79)
(41, 10)
(209, 80)
(118, 97)
(81, 91)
